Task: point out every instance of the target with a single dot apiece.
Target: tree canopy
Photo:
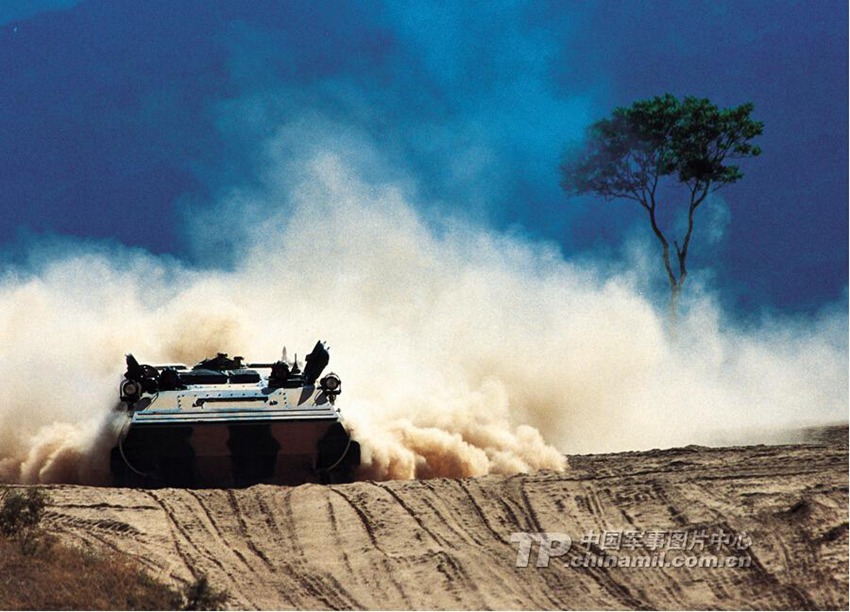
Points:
(689, 141)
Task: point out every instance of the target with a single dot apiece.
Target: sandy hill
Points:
(447, 543)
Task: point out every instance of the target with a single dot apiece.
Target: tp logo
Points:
(551, 544)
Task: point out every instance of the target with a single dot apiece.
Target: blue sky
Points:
(121, 118)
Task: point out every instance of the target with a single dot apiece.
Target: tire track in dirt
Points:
(438, 508)
(337, 535)
(178, 541)
(368, 524)
(308, 586)
(364, 521)
(246, 536)
(286, 588)
(435, 537)
(479, 510)
(443, 549)
(316, 578)
(199, 547)
(217, 536)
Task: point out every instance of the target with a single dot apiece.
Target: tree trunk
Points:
(675, 285)
(675, 290)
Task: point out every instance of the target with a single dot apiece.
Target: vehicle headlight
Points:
(331, 383)
(130, 388)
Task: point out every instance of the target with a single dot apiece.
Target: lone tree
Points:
(688, 142)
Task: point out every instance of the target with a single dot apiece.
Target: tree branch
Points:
(665, 245)
(682, 254)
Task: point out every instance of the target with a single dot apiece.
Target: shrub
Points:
(201, 596)
(20, 512)
(20, 516)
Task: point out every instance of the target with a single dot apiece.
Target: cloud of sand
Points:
(462, 352)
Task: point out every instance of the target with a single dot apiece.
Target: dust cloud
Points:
(462, 351)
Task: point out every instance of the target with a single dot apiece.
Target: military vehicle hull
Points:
(232, 426)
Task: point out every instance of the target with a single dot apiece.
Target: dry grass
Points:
(38, 572)
(57, 577)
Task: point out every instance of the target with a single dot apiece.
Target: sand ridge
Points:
(446, 543)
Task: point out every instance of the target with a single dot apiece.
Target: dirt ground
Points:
(448, 543)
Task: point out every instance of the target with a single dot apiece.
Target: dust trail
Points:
(462, 352)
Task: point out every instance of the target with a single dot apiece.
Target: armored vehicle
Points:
(226, 423)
